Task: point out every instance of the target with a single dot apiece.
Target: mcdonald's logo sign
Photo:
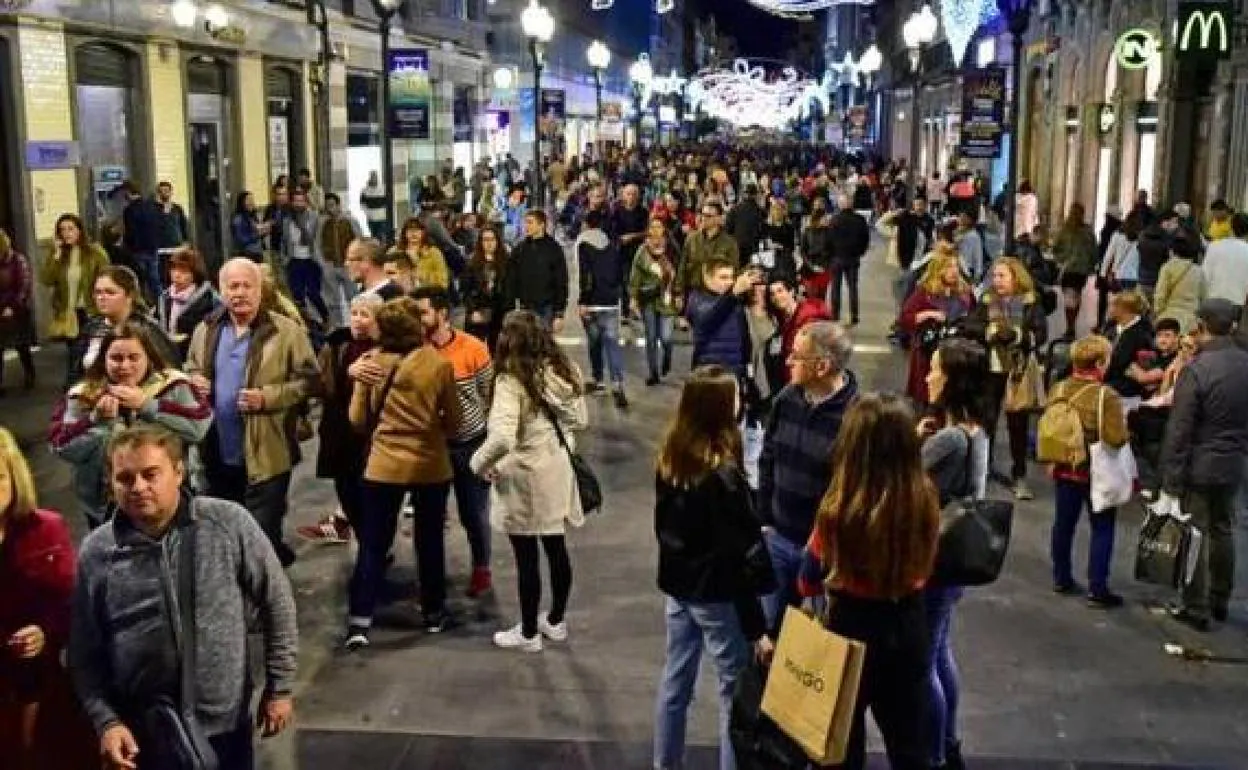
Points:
(1204, 30)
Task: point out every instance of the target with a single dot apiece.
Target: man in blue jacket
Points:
(602, 288)
(716, 311)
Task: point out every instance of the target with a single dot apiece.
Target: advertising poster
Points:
(410, 93)
(554, 112)
(612, 128)
(983, 113)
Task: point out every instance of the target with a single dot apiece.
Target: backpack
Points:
(1059, 433)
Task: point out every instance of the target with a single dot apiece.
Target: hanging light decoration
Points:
(746, 97)
(660, 6)
(961, 19)
(803, 8)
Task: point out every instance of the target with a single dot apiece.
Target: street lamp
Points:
(184, 13)
(869, 64)
(539, 28)
(918, 33)
(386, 9)
(599, 59)
(1017, 15)
(641, 73)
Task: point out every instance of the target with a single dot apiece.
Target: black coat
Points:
(537, 276)
(1207, 435)
(850, 237)
(745, 223)
(1135, 339)
(1154, 248)
(704, 533)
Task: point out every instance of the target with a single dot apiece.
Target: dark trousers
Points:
(845, 274)
(1212, 510)
(150, 272)
(529, 578)
(266, 501)
(304, 277)
(380, 508)
(75, 349)
(349, 489)
(23, 355)
(1069, 499)
(940, 602)
(472, 499)
(895, 677)
(1016, 426)
(234, 750)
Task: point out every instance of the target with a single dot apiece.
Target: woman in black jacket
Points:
(705, 524)
(482, 286)
(188, 299)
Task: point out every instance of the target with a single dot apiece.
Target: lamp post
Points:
(869, 64)
(386, 9)
(320, 88)
(539, 28)
(1017, 15)
(599, 57)
(641, 73)
(918, 33)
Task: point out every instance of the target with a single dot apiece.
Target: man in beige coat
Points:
(257, 367)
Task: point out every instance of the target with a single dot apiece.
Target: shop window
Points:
(104, 116)
(284, 91)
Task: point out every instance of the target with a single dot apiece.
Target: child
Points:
(1148, 422)
(1149, 367)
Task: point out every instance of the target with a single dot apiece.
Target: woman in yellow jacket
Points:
(70, 272)
(431, 269)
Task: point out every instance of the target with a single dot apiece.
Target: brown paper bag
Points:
(813, 686)
(1024, 391)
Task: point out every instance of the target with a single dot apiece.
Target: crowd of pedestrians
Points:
(431, 363)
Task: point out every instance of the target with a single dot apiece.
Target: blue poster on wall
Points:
(524, 114)
(410, 93)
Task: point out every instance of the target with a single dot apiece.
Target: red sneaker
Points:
(480, 583)
(333, 530)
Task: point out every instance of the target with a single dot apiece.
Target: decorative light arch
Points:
(746, 96)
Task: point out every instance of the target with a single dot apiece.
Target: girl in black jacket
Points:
(705, 524)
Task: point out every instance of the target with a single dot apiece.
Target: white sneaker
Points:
(555, 633)
(514, 639)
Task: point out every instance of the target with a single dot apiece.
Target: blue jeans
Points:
(786, 561)
(380, 504)
(940, 602)
(1070, 498)
(304, 278)
(603, 329)
(472, 500)
(690, 627)
(149, 271)
(658, 335)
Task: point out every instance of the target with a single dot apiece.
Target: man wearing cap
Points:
(1202, 459)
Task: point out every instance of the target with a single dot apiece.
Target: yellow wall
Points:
(168, 115)
(46, 103)
(254, 117)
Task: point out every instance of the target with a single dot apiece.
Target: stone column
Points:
(336, 83)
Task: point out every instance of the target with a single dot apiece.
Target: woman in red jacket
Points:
(942, 298)
(38, 716)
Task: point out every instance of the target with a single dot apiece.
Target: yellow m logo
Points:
(1206, 21)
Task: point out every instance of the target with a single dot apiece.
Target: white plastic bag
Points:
(1113, 470)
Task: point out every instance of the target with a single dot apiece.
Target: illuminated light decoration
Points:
(660, 6)
(961, 19)
(746, 97)
(848, 73)
(803, 8)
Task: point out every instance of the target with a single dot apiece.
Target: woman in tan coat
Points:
(534, 493)
(1180, 285)
(405, 405)
(70, 272)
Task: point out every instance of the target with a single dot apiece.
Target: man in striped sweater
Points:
(795, 467)
(474, 380)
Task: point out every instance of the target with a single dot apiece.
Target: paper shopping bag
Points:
(813, 686)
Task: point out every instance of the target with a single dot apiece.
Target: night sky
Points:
(758, 33)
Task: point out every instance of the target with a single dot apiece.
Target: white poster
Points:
(279, 147)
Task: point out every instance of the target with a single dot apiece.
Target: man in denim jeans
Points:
(796, 464)
(602, 287)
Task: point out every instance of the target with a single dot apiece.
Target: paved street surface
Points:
(1048, 683)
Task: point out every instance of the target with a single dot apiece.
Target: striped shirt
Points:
(474, 382)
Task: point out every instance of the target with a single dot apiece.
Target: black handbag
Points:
(172, 736)
(974, 537)
(587, 485)
(1162, 550)
(758, 742)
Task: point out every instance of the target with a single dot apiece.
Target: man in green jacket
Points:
(710, 242)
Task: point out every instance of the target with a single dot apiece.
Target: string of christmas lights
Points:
(961, 19)
(746, 97)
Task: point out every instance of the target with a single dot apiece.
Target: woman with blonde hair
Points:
(17, 302)
(538, 397)
(872, 552)
(70, 272)
(39, 723)
(705, 523)
(429, 265)
(942, 299)
(1012, 321)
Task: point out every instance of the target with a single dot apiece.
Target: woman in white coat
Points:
(534, 493)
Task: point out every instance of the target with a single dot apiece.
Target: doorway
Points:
(8, 221)
(206, 189)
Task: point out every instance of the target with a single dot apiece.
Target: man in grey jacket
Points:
(125, 613)
(1202, 459)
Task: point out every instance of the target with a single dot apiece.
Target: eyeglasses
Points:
(808, 359)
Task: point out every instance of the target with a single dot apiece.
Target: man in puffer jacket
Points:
(601, 272)
(717, 314)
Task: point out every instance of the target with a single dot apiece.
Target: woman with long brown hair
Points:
(872, 552)
(943, 297)
(650, 288)
(188, 299)
(705, 524)
(118, 300)
(537, 396)
(70, 272)
(427, 259)
(482, 286)
(17, 303)
(130, 381)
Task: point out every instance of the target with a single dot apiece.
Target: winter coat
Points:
(537, 276)
(1154, 248)
(745, 222)
(343, 450)
(534, 490)
(54, 274)
(201, 304)
(647, 283)
(1076, 250)
(1180, 290)
(699, 249)
(849, 237)
(245, 233)
(601, 270)
(720, 331)
(1207, 434)
(920, 359)
(16, 295)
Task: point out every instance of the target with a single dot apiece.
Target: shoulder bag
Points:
(974, 536)
(587, 485)
(172, 736)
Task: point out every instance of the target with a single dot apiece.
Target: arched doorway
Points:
(209, 85)
(284, 89)
(105, 104)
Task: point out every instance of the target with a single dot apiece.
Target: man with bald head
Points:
(257, 367)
